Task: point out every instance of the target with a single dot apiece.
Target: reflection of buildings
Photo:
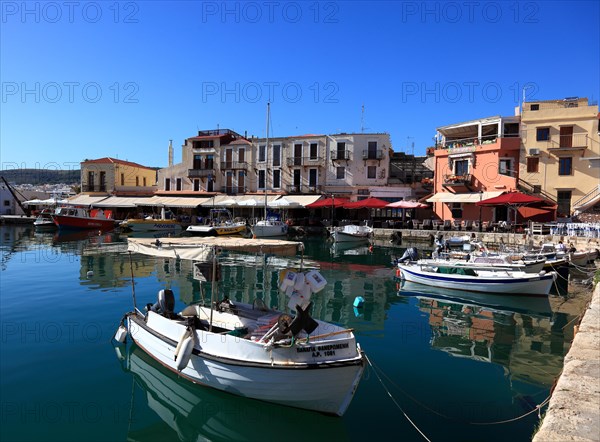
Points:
(531, 348)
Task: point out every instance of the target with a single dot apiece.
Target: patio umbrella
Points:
(512, 200)
(283, 203)
(368, 203)
(327, 202)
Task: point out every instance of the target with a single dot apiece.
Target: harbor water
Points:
(461, 366)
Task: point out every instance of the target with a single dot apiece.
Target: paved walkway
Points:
(574, 411)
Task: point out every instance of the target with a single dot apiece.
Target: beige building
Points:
(559, 149)
(111, 176)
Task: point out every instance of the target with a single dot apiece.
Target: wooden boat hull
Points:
(490, 282)
(152, 225)
(297, 376)
(82, 223)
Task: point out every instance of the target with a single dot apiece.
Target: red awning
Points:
(367, 203)
(511, 199)
(328, 202)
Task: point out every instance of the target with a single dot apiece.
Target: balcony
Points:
(305, 161)
(232, 165)
(292, 188)
(459, 183)
(200, 173)
(372, 154)
(233, 190)
(313, 189)
(558, 144)
(340, 155)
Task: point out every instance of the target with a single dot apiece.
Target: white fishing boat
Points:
(268, 227)
(44, 221)
(219, 223)
(351, 233)
(249, 350)
(477, 278)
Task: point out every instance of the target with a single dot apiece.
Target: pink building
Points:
(475, 160)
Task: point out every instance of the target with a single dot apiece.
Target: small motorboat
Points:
(351, 233)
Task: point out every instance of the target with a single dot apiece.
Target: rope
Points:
(395, 402)
(537, 408)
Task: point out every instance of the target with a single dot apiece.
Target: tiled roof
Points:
(109, 160)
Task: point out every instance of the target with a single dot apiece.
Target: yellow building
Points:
(559, 147)
(117, 177)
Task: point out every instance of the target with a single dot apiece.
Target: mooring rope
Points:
(395, 402)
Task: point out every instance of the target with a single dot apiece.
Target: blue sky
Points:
(83, 80)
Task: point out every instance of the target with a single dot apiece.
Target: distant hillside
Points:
(41, 176)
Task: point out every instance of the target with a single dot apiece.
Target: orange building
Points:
(475, 160)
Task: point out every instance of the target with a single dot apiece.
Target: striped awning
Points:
(86, 200)
(120, 201)
(173, 201)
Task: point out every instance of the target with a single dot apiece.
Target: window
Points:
(314, 151)
(565, 166)
(196, 185)
(461, 167)
(533, 164)
(276, 155)
(504, 166)
(261, 179)
(262, 153)
(456, 209)
(372, 150)
(341, 151)
(537, 188)
(210, 160)
(91, 180)
(144, 179)
(6, 203)
(542, 134)
(178, 183)
(137, 181)
(312, 177)
(276, 178)
(371, 172)
(340, 173)
(197, 162)
(534, 107)
(122, 179)
(167, 184)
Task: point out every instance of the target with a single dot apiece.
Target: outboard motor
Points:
(164, 304)
(410, 254)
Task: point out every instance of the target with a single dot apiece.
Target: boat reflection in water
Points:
(349, 249)
(193, 412)
(518, 332)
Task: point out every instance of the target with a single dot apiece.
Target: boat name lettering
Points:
(322, 348)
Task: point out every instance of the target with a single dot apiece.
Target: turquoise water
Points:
(448, 363)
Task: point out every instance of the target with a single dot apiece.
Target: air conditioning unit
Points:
(534, 151)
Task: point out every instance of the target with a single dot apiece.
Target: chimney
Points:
(245, 134)
(170, 153)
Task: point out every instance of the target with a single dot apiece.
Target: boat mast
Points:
(267, 156)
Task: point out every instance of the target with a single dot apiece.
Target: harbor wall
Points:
(574, 410)
(491, 239)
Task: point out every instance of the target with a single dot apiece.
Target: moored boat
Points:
(220, 223)
(351, 233)
(79, 218)
(478, 279)
(269, 228)
(250, 350)
(151, 225)
(44, 221)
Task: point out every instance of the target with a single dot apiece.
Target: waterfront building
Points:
(111, 176)
(475, 160)
(560, 152)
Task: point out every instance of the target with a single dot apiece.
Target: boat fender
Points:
(542, 272)
(299, 283)
(121, 334)
(359, 301)
(398, 273)
(187, 333)
(185, 353)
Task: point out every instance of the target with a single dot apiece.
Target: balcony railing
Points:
(294, 188)
(457, 180)
(313, 189)
(233, 190)
(340, 154)
(372, 154)
(234, 165)
(472, 141)
(305, 161)
(568, 141)
(200, 173)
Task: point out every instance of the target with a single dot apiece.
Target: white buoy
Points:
(185, 353)
(185, 334)
(121, 334)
